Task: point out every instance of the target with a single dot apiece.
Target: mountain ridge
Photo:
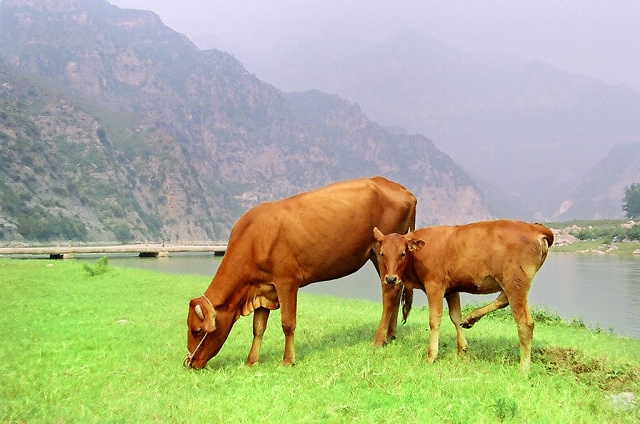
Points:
(502, 117)
(118, 125)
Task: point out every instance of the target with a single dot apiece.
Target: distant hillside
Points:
(114, 127)
(525, 131)
(601, 193)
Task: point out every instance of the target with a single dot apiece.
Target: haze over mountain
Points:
(114, 126)
(525, 131)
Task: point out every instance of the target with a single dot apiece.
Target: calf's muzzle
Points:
(391, 279)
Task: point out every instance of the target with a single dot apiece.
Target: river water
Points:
(603, 290)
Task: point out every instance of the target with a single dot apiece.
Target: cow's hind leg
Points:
(393, 323)
(453, 302)
(390, 304)
(260, 317)
(475, 315)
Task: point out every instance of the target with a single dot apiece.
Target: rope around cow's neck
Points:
(189, 359)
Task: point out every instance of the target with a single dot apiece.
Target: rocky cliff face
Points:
(115, 127)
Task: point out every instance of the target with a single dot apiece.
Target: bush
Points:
(122, 231)
(99, 268)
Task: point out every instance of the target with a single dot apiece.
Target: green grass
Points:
(109, 348)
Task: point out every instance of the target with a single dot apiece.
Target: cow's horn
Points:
(198, 309)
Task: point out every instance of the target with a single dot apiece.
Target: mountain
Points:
(115, 127)
(525, 131)
(601, 193)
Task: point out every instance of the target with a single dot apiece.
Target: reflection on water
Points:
(603, 290)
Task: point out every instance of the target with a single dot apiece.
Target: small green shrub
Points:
(100, 267)
(505, 408)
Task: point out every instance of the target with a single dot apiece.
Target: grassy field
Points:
(109, 348)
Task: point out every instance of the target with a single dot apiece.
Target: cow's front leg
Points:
(453, 302)
(435, 315)
(288, 306)
(260, 317)
(390, 303)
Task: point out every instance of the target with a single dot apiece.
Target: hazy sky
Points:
(596, 38)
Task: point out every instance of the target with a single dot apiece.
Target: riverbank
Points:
(596, 237)
(110, 348)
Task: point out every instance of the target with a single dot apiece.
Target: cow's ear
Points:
(377, 234)
(205, 312)
(415, 245)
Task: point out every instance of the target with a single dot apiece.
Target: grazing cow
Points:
(485, 257)
(277, 247)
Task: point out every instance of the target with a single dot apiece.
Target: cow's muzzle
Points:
(188, 361)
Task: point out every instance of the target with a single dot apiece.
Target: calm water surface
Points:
(603, 290)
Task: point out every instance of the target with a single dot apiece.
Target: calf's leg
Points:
(435, 316)
(260, 317)
(475, 315)
(453, 302)
(524, 322)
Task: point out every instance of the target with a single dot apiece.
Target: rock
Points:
(563, 237)
(624, 401)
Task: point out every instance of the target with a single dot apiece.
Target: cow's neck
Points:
(227, 290)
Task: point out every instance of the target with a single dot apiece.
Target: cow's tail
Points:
(407, 301)
(412, 216)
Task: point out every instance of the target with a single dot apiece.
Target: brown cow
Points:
(485, 257)
(277, 247)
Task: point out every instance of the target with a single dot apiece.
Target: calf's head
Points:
(394, 253)
(207, 332)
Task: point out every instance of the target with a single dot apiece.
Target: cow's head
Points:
(207, 332)
(394, 252)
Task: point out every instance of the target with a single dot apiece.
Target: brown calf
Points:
(485, 257)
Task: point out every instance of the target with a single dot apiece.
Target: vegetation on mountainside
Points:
(131, 125)
(631, 201)
(109, 348)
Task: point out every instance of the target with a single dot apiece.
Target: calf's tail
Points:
(546, 240)
(407, 301)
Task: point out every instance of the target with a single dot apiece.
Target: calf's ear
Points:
(377, 234)
(415, 245)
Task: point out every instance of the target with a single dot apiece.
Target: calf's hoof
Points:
(468, 322)
(287, 363)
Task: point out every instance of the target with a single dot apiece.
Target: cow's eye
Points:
(402, 255)
(197, 332)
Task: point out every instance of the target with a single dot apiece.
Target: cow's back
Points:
(321, 234)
